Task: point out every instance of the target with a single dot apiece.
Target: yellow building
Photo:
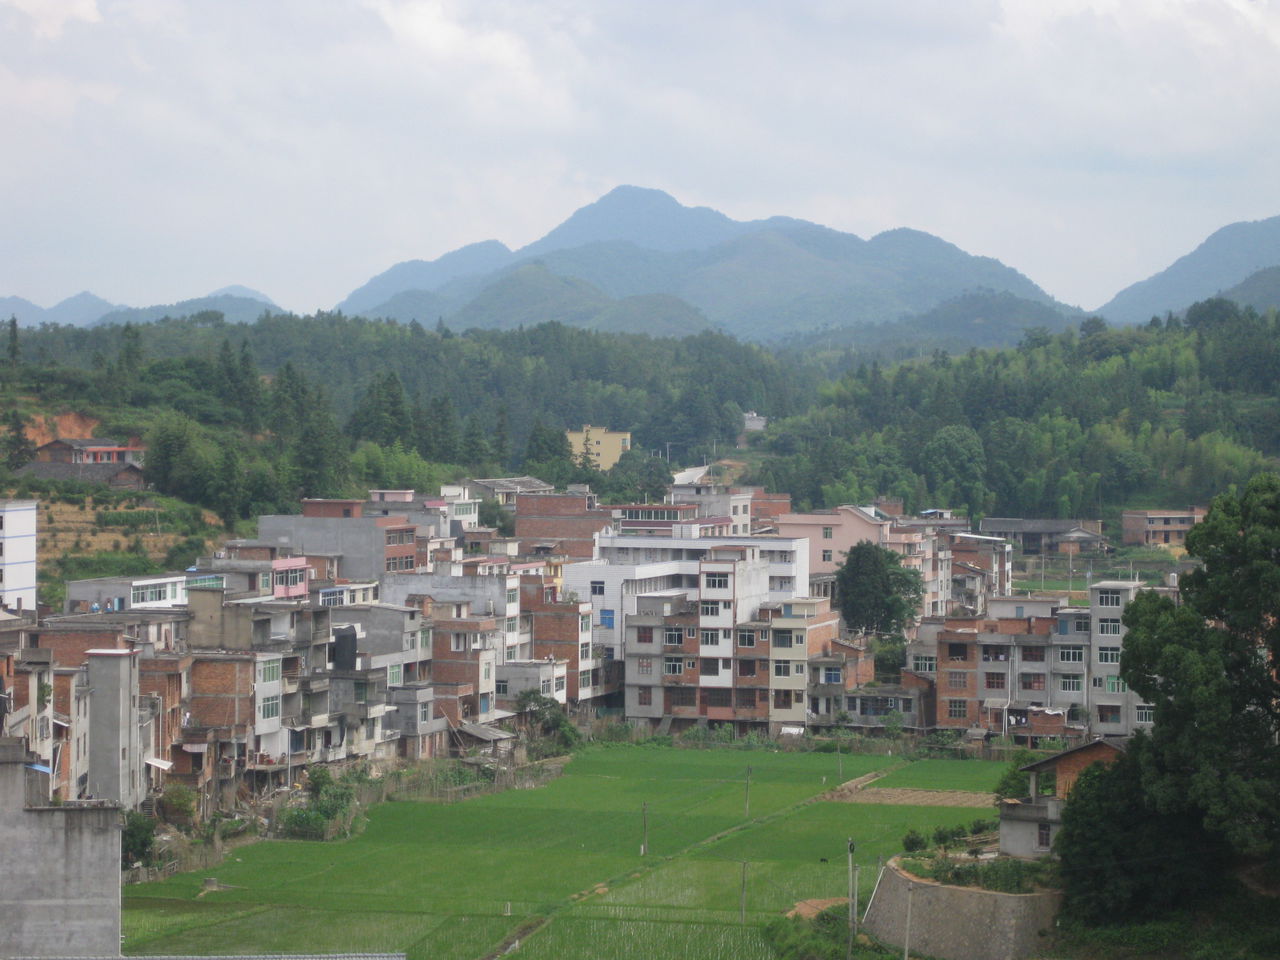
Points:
(605, 447)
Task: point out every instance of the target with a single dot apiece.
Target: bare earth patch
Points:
(808, 909)
(849, 793)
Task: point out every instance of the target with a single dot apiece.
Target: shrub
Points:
(137, 839)
(914, 841)
(178, 803)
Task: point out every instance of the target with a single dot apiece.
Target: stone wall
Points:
(960, 923)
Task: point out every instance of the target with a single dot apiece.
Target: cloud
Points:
(301, 147)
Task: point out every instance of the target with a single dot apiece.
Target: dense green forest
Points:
(244, 417)
(1066, 425)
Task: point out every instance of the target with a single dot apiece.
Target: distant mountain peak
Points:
(237, 290)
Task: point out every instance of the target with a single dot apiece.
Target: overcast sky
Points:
(154, 150)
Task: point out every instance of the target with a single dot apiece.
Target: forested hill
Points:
(1067, 424)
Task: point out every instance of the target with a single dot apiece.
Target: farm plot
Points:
(454, 881)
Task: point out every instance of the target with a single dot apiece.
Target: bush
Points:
(137, 839)
(178, 804)
(914, 841)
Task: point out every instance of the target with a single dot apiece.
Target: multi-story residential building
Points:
(116, 594)
(982, 567)
(732, 505)
(504, 490)
(560, 631)
(1159, 528)
(369, 547)
(604, 448)
(564, 523)
(18, 555)
(832, 533)
(1034, 668)
(466, 648)
(486, 585)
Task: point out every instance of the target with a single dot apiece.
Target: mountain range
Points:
(638, 260)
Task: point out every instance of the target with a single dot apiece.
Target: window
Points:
(269, 671)
(827, 533)
(957, 651)
(1033, 654)
(546, 687)
(709, 608)
(644, 696)
(782, 638)
(597, 588)
(1109, 627)
(923, 664)
(395, 674)
(606, 619)
(710, 637)
(782, 668)
(1109, 598)
(644, 634)
(1145, 713)
(672, 636)
(957, 679)
(1031, 681)
(746, 668)
(457, 642)
(1071, 683)
(269, 708)
(672, 666)
(1043, 836)
(1071, 654)
(560, 684)
(957, 709)
(1116, 685)
(1108, 713)
(716, 581)
(746, 638)
(691, 664)
(291, 578)
(511, 624)
(826, 556)
(584, 651)
(782, 699)
(644, 666)
(994, 681)
(424, 710)
(584, 623)
(1108, 654)
(513, 595)
(830, 674)
(710, 667)
(682, 697)
(487, 671)
(1080, 625)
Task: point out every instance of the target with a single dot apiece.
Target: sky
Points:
(155, 150)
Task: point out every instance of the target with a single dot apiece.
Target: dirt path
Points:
(848, 793)
(808, 909)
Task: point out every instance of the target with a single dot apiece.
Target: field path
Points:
(910, 796)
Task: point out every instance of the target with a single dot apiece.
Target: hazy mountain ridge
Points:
(233, 309)
(761, 279)
(1228, 257)
(1260, 290)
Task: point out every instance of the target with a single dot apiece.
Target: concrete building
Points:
(369, 547)
(603, 447)
(60, 886)
(126, 593)
(18, 555)
(1159, 528)
(1036, 536)
(119, 728)
(733, 504)
(91, 450)
(833, 533)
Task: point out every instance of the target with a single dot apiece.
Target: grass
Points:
(978, 776)
(451, 881)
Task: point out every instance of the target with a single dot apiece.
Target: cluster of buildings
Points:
(396, 626)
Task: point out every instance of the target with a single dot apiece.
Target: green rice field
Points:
(459, 880)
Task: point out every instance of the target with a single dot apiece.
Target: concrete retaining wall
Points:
(960, 923)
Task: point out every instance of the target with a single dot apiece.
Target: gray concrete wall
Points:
(960, 923)
(60, 883)
(116, 769)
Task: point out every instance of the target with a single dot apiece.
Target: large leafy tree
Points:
(1209, 668)
(876, 593)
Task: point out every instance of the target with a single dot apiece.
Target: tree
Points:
(16, 448)
(1208, 667)
(14, 350)
(876, 593)
(1122, 858)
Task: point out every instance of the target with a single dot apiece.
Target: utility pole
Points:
(644, 821)
(853, 905)
(746, 814)
(742, 899)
